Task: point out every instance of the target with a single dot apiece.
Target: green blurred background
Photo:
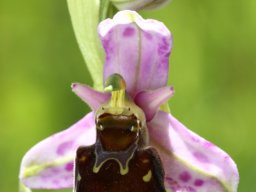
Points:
(212, 70)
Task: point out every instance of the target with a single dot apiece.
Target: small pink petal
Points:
(90, 96)
(137, 49)
(49, 164)
(191, 163)
(150, 101)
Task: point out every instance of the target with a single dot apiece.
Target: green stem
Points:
(107, 10)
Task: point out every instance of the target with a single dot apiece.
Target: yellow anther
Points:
(115, 82)
(117, 99)
(116, 85)
(108, 88)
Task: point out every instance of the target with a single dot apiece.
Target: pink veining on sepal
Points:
(137, 49)
(49, 164)
(151, 100)
(90, 96)
(191, 163)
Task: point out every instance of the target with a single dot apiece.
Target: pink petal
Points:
(191, 163)
(137, 49)
(49, 164)
(150, 101)
(90, 96)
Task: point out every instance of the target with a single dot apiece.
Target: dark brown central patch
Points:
(116, 163)
(117, 132)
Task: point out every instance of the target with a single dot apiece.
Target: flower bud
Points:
(138, 4)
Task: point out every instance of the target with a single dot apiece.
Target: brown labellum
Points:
(117, 162)
(120, 160)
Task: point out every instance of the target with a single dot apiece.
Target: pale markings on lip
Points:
(146, 178)
(78, 177)
(124, 168)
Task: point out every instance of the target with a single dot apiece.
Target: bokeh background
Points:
(212, 69)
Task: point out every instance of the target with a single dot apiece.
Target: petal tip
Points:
(73, 85)
(191, 155)
(172, 89)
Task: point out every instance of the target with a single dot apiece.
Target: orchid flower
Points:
(138, 50)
